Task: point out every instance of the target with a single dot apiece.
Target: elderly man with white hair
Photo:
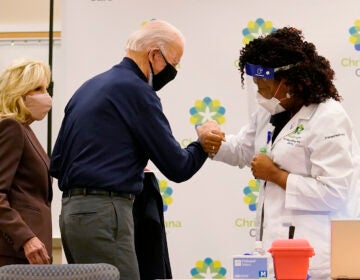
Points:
(113, 125)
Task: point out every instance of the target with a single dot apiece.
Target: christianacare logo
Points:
(166, 193)
(208, 269)
(251, 192)
(353, 63)
(355, 35)
(257, 28)
(207, 110)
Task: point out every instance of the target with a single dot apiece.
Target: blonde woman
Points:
(25, 184)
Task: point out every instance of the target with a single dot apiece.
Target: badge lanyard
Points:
(260, 205)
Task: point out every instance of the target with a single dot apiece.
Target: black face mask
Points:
(164, 76)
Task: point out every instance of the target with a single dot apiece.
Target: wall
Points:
(210, 217)
(23, 15)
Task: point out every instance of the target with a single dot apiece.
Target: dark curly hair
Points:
(310, 79)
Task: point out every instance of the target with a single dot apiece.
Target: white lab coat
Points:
(315, 147)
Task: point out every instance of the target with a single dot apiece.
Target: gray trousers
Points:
(99, 229)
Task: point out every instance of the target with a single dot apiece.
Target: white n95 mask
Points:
(272, 105)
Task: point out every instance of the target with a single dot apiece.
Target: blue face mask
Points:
(157, 81)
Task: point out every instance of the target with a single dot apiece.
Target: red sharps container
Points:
(291, 258)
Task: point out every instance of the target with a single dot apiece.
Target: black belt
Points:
(92, 191)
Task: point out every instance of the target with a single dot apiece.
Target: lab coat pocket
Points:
(290, 155)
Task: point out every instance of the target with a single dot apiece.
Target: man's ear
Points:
(152, 53)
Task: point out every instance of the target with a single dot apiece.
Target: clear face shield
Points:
(254, 72)
(257, 79)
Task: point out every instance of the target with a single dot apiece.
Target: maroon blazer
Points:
(25, 190)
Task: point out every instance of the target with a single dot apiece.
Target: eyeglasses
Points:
(176, 66)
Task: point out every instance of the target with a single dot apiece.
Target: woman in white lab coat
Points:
(299, 141)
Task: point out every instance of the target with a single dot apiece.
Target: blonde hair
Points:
(16, 81)
(154, 34)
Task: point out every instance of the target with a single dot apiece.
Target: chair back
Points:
(96, 271)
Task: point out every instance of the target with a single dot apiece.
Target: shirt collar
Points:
(130, 64)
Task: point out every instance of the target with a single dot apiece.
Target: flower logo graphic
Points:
(208, 269)
(256, 29)
(166, 193)
(299, 129)
(251, 192)
(206, 110)
(355, 35)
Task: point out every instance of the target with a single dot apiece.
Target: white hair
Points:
(154, 34)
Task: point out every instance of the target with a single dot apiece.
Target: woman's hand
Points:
(35, 251)
(265, 169)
